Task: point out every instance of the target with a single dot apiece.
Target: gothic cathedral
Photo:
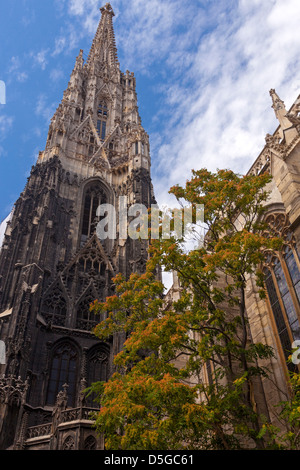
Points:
(53, 264)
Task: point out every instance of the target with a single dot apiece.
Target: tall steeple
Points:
(54, 263)
(103, 53)
(97, 124)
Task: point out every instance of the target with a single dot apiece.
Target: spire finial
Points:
(103, 50)
(107, 9)
(281, 114)
(79, 59)
(277, 102)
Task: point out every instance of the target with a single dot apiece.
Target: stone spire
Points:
(287, 129)
(280, 111)
(79, 62)
(103, 52)
(97, 125)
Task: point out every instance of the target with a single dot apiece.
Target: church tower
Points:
(53, 263)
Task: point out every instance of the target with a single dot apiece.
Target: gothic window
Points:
(94, 196)
(286, 297)
(136, 148)
(97, 369)
(290, 260)
(102, 109)
(69, 443)
(90, 443)
(86, 320)
(63, 370)
(101, 129)
(277, 310)
(209, 372)
(282, 281)
(54, 307)
(102, 114)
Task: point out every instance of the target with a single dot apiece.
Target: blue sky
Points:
(204, 69)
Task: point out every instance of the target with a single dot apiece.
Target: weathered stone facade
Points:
(275, 321)
(52, 263)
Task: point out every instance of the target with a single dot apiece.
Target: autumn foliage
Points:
(185, 376)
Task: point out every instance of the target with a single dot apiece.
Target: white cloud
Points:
(43, 109)
(60, 45)
(29, 17)
(226, 112)
(15, 70)
(78, 7)
(56, 75)
(6, 123)
(40, 58)
(218, 60)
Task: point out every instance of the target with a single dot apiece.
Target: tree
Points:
(162, 395)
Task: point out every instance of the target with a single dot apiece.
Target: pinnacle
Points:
(280, 111)
(277, 102)
(108, 9)
(103, 48)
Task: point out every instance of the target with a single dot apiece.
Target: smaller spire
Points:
(79, 60)
(280, 110)
(277, 102)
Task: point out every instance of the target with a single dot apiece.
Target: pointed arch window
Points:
(102, 109)
(63, 370)
(101, 129)
(283, 300)
(86, 320)
(282, 281)
(69, 443)
(290, 260)
(54, 307)
(209, 371)
(94, 196)
(97, 370)
(102, 115)
(277, 309)
(90, 443)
